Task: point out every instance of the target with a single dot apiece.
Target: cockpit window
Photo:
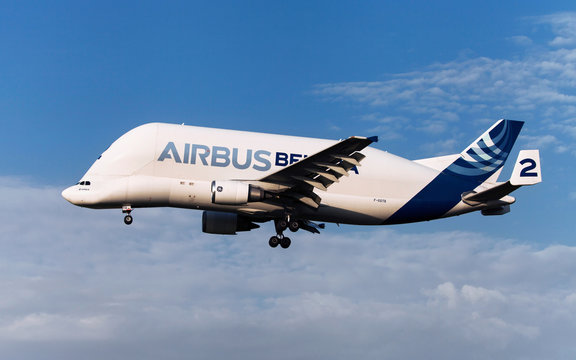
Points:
(84, 183)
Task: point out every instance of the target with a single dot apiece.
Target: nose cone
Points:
(72, 195)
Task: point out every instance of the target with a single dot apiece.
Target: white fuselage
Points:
(174, 165)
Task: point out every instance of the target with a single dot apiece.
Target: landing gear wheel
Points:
(281, 225)
(274, 241)
(285, 243)
(294, 226)
(128, 219)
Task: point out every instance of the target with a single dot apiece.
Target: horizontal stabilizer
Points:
(495, 193)
(526, 172)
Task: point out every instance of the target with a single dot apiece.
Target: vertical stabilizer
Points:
(479, 162)
(481, 159)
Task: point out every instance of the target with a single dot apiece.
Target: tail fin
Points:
(475, 165)
(481, 159)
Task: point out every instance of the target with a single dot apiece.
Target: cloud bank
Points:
(78, 283)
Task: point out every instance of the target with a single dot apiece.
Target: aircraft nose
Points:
(71, 194)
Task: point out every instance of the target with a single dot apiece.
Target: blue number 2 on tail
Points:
(527, 170)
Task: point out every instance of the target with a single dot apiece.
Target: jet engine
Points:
(235, 193)
(224, 223)
(496, 211)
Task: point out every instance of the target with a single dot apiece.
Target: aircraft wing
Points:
(320, 170)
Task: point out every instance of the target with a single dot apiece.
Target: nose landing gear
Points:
(127, 209)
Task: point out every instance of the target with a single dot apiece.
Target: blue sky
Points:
(426, 77)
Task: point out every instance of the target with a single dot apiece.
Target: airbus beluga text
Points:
(241, 179)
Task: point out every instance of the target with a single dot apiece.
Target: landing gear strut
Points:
(127, 209)
(280, 239)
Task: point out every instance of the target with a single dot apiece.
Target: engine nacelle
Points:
(224, 223)
(496, 211)
(235, 193)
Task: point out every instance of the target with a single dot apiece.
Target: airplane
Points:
(242, 179)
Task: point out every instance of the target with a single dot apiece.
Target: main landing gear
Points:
(127, 209)
(280, 239)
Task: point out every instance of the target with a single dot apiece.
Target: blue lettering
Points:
(281, 159)
(170, 148)
(220, 156)
(355, 169)
(259, 157)
(246, 164)
(202, 156)
(186, 153)
(294, 158)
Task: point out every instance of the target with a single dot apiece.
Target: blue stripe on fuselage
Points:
(437, 198)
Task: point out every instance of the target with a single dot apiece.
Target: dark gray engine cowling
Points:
(496, 211)
(235, 193)
(225, 223)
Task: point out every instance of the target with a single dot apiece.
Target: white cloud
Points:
(563, 25)
(387, 127)
(545, 141)
(75, 279)
(571, 299)
(448, 294)
(470, 86)
(521, 40)
(480, 294)
(567, 127)
(443, 147)
(536, 86)
(42, 327)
